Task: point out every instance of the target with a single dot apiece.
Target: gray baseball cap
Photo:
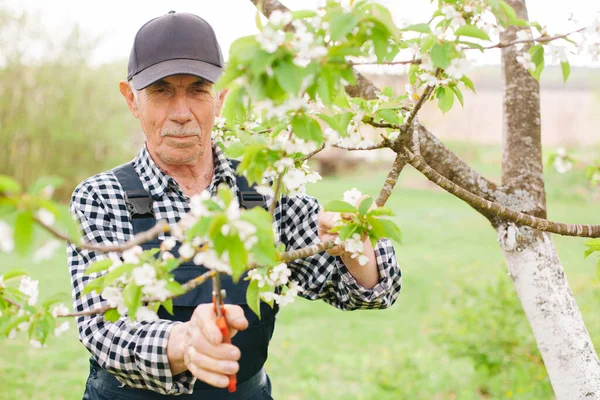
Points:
(175, 43)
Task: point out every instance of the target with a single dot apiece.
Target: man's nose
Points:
(181, 112)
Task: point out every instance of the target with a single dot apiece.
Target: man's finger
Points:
(235, 318)
(205, 319)
(222, 367)
(223, 351)
(212, 378)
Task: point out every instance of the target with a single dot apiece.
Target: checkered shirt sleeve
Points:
(135, 353)
(323, 276)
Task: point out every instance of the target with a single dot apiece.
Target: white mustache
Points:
(185, 132)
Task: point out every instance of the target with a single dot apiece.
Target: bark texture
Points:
(531, 256)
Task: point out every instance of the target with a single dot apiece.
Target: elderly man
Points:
(174, 62)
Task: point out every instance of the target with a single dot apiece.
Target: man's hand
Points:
(365, 275)
(197, 345)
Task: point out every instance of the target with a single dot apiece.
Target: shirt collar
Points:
(157, 182)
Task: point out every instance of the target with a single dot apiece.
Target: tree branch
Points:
(142, 237)
(591, 231)
(391, 180)
(539, 39)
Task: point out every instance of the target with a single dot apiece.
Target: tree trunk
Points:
(531, 256)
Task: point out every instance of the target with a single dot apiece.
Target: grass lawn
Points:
(319, 352)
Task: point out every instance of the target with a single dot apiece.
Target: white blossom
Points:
(46, 251)
(525, 61)
(265, 190)
(450, 13)
(458, 68)
(7, 243)
(59, 310)
(145, 314)
(270, 39)
(2, 281)
(47, 192)
(197, 207)
(132, 255)
(352, 196)
(114, 298)
(283, 163)
(209, 259)
(168, 244)
(45, 216)
(12, 334)
(62, 328)
(29, 288)
(186, 251)
(157, 290)
(36, 344)
(279, 18)
(144, 275)
(558, 53)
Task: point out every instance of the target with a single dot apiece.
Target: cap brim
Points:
(164, 69)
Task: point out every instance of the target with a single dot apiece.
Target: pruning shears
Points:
(218, 295)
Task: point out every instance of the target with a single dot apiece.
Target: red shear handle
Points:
(222, 324)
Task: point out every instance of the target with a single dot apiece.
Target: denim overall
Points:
(253, 383)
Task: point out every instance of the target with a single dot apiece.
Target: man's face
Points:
(177, 114)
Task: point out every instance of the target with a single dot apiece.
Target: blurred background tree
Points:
(59, 115)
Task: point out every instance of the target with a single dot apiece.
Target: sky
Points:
(116, 22)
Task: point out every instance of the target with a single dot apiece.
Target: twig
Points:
(306, 251)
(413, 113)
(276, 195)
(591, 231)
(161, 226)
(540, 39)
(400, 62)
(381, 145)
(311, 154)
(391, 180)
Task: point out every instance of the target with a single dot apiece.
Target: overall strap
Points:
(248, 197)
(137, 199)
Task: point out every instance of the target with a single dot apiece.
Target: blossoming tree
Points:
(293, 91)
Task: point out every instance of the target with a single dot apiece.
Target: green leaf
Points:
(380, 44)
(445, 99)
(348, 230)
(132, 295)
(472, 31)
(458, 94)
(117, 272)
(423, 28)
(289, 76)
(325, 86)
(468, 83)
(11, 323)
(68, 224)
(253, 298)
(341, 25)
(305, 127)
(364, 205)
(238, 256)
(175, 288)
(43, 182)
(234, 108)
(9, 185)
(339, 206)
(13, 273)
(23, 232)
(566, 70)
(99, 266)
(301, 14)
(168, 305)
(377, 229)
(440, 55)
(381, 211)
(224, 193)
(390, 116)
(391, 230)
(537, 56)
(93, 285)
(112, 315)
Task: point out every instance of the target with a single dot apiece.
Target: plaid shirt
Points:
(135, 353)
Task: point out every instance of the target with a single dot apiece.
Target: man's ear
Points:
(129, 97)
(220, 99)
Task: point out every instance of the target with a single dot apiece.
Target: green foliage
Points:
(486, 324)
